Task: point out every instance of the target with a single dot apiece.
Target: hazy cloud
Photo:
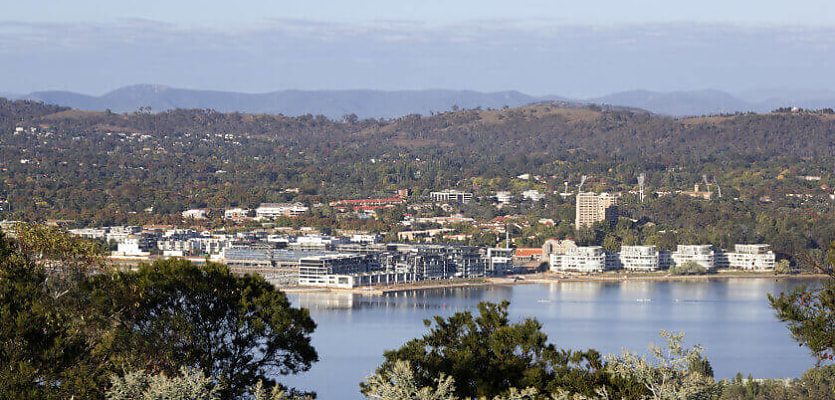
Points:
(532, 56)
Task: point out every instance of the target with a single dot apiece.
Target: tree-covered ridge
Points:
(100, 168)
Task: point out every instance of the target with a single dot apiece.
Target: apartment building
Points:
(592, 208)
(333, 269)
(755, 257)
(579, 259)
(701, 254)
(451, 196)
(639, 258)
(274, 210)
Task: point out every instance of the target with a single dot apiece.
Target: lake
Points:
(731, 318)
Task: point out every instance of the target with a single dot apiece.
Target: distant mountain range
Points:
(388, 104)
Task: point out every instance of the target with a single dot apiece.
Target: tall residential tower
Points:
(592, 208)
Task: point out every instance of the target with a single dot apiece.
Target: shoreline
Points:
(546, 278)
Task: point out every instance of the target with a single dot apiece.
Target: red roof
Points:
(528, 251)
(369, 201)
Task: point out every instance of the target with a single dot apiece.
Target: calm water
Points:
(730, 318)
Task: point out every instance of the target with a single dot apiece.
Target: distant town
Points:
(306, 257)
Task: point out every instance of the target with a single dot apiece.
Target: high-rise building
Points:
(592, 208)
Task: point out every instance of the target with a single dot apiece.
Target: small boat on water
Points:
(644, 300)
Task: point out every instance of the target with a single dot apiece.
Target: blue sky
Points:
(570, 48)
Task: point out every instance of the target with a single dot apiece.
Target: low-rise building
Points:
(235, 214)
(504, 197)
(274, 210)
(451, 196)
(533, 195)
(196, 213)
(134, 246)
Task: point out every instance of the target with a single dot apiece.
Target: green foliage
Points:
(486, 355)
(400, 383)
(673, 373)
(188, 385)
(171, 313)
(161, 318)
(815, 384)
(810, 312)
(688, 268)
(39, 350)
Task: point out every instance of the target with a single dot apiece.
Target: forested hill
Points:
(83, 164)
(550, 128)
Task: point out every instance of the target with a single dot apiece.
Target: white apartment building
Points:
(235, 214)
(580, 259)
(533, 195)
(701, 254)
(504, 197)
(758, 257)
(639, 258)
(274, 210)
(451, 195)
(499, 260)
(196, 213)
(135, 245)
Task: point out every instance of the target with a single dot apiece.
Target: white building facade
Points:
(701, 254)
(639, 258)
(579, 259)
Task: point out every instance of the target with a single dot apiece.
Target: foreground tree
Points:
(810, 311)
(673, 373)
(188, 385)
(400, 383)
(68, 325)
(174, 314)
(486, 355)
(37, 346)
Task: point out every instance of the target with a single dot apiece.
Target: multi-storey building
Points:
(639, 258)
(334, 269)
(533, 195)
(196, 213)
(451, 195)
(504, 197)
(235, 214)
(499, 260)
(701, 254)
(757, 257)
(580, 259)
(273, 210)
(591, 208)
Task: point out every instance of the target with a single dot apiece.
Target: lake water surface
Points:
(731, 318)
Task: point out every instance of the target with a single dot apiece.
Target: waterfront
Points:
(729, 317)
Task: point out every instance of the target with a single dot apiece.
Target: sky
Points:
(575, 49)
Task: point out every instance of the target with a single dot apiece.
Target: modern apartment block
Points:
(701, 254)
(273, 210)
(504, 197)
(499, 260)
(592, 207)
(579, 259)
(451, 196)
(639, 258)
(757, 257)
(333, 269)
